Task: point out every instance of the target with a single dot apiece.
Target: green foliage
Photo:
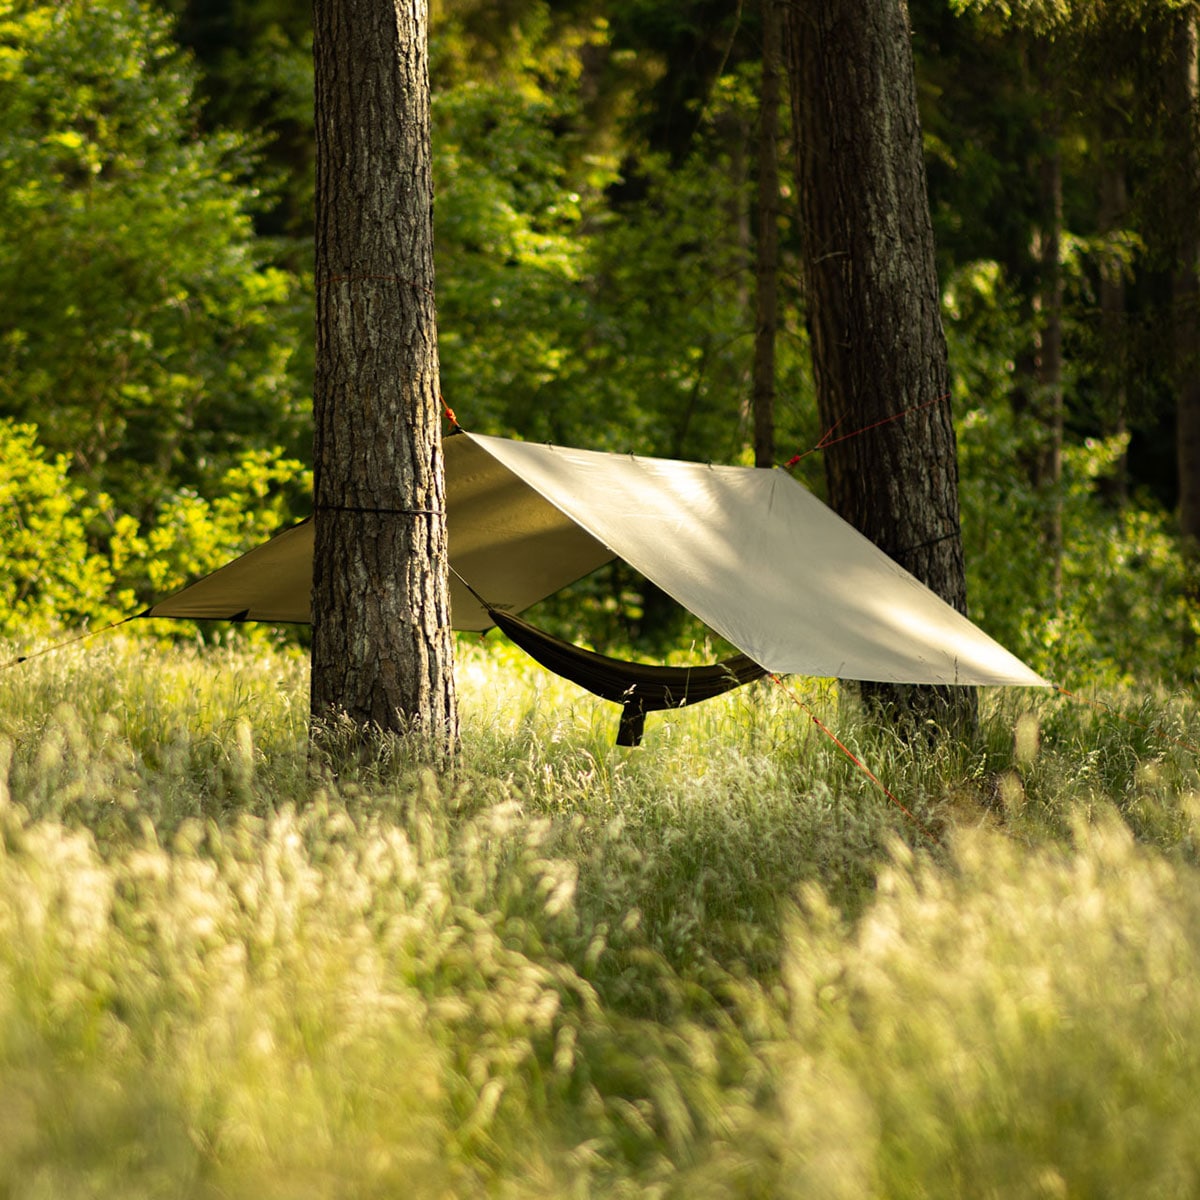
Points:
(509, 257)
(139, 324)
(189, 536)
(1122, 571)
(50, 573)
(674, 300)
(256, 77)
(1121, 615)
(594, 232)
(722, 966)
(1069, 17)
(47, 572)
(583, 297)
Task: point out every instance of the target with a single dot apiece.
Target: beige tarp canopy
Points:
(750, 552)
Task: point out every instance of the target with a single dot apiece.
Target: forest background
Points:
(596, 167)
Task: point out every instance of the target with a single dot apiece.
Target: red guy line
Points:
(828, 440)
(858, 762)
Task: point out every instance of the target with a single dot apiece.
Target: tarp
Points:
(749, 551)
(513, 547)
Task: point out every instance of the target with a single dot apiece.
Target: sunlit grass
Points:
(724, 965)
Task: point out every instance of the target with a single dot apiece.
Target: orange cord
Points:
(858, 762)
(827, 438)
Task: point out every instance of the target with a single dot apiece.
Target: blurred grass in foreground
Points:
(721, 966)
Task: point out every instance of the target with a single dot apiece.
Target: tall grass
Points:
(725, 965)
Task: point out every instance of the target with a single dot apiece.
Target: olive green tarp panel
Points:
(638, 687)
(764, 563)
(514, 547)
(272, 582)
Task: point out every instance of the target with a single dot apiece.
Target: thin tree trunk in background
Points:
(1049, 358)
(383, 653)
(738, 135)
(1113, 205)
(766, 271)
(874, 303)
(1187, 315)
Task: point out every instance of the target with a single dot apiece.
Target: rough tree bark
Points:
(382, 652)
(875, 323)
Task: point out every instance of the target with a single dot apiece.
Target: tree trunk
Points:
(878, 346)
(1112, 214)
(1187, 314)
(766, 264)
(382, 651)
(1049, 358)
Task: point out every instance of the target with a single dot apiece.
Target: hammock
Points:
(637, 687)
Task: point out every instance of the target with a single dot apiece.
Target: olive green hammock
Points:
(638, 687)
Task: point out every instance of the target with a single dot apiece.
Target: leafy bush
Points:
(189, 535)
(65, 559)
(141, 323)
(1121, 615)
(48, 572)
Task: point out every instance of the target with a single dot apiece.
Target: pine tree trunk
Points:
(382, 652)
(1113, 205)
(737, 137)
(875, 323)
(1049, 357)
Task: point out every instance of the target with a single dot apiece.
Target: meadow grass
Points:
(723, 965)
